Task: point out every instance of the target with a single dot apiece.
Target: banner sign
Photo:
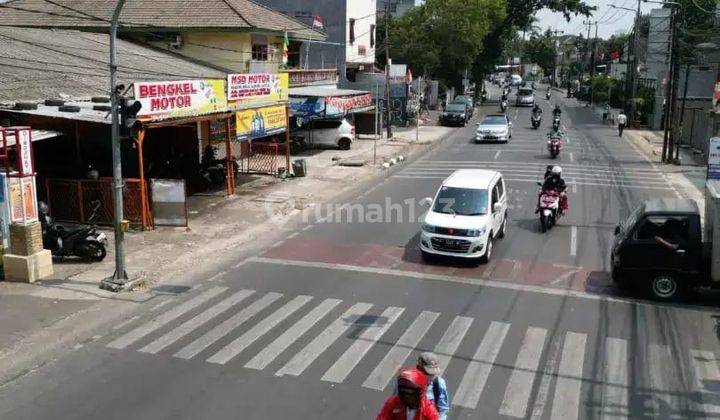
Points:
(331, 106)
(23, 200)
(713, 167)
(309, 77)
(260, 122)
(183, 98)
(24, 156)
(257, 87)
(347, 103)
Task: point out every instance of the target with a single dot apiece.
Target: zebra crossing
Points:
(575, 174)
(549, 377)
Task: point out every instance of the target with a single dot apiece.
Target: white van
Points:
(468, 212)
(516, 80)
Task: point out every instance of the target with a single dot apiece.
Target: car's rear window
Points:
(525, 92)
(455, 107)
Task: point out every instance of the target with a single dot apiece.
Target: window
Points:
(372, 36)
(260, 52)
(461, 201)
(495, 197)
(501, 188)
(672, 229)
(303, 14)
(352, 31)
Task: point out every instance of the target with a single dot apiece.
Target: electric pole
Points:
(387, 70)
(594, 51)
(119, 278)
(555, 33)
(633, 71)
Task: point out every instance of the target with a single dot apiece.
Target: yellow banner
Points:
(184, 98)
(260, 122)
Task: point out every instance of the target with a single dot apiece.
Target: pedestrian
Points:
(437, 387)
(622, 122)
(409, 403)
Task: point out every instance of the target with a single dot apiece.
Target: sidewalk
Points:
(166, 259)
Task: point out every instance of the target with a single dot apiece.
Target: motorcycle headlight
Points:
(476, 232)
(428, 228)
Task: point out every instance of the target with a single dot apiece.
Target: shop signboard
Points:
(23, 199)
(342, 104)
(182, 98)
(257, 87)
(260, 122)
(308, 107)
(23, 141)
(713, 167)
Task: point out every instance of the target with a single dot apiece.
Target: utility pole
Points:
(594, 52)
(671, 93)
(387, 70)
(633, 71)
(555, 33)
(120, 276)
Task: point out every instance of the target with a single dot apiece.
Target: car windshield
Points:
(525, 92)
(632, 219)
(461, 201)
(493, 121)
(455, 107)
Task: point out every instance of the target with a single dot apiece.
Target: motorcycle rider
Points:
(557, 112)
(437, 389)
(410, 402)
(554, 182)
(536, 110)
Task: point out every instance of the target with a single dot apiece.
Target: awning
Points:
(37, 135)
(318, 102)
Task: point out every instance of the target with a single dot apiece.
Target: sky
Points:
(611, 21)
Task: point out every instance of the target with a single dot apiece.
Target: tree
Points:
(541, 51)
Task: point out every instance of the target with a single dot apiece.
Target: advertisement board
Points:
(260, 122)
(183, 98)
(713, 167)
(257, 87)
(331, 106)
(23, 141)
(23, 200)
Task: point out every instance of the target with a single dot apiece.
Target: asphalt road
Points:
(317, 325)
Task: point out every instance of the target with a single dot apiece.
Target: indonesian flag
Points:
(285, 46)
(317, 22)
(614, 55)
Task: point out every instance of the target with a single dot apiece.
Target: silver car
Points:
(525, 97)
(496, 127)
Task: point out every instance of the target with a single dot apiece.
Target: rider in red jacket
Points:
(410, 402)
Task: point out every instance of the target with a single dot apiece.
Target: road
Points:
(317, 325)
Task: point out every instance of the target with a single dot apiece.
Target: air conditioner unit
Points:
(176, 43)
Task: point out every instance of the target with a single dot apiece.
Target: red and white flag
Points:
(318, 23)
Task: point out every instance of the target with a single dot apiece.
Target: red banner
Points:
(347, 103)
(614, 55)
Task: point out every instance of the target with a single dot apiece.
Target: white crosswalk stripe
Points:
(517, 393)
(192, 349)
(615, 381)
(566, 404)
(273, 350)
(260, 329)
(545, 381)
(347, 362)
(312, 351)
(196, 322)
(165, 318)
(393, 360)
(476, 375)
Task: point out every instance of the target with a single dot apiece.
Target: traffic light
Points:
(129, 109)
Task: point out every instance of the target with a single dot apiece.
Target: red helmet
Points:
(413, 377)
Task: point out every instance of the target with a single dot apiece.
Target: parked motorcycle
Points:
(535, 120)
(554, 146)
(549, 207)
(212, 170)
(503, 105)
(78, 240)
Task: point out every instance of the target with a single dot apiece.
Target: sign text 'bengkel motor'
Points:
(169, 96)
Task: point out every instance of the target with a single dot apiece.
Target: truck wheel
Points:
(665, 287)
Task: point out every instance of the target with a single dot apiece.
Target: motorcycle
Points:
(503, 105)
(64, 240)
(213, 170)
(483, 96)
(554, 146)
(547, 95)
(535, 120)
(556, 123)
(548, 208)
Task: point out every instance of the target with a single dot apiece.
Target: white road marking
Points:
(573, 241)
(533, 181)
(166, 317)
(566, 403)
(292, 235)
(125, 323)
(312, 351)
(342, 367)
(706, 373)
(476, 375)
(660, 364)
(291, 335)
(236, 346)
(191, 324)
(227, 326)
(497, 154)
(615, 382)
(161, 304)
(574, 185)
(519, 388)
(570, 155)
(216, 276)
(450, 341)
(545, 381)
(388, 367)
(646, 178)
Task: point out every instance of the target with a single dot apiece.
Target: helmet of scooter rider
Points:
(556, 170)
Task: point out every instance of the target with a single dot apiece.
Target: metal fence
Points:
(74, 200)
(261, 157)
(697, 127)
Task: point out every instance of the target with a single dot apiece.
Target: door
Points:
(497, 216)
(658, 243)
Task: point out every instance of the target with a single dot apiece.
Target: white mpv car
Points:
(468, 212)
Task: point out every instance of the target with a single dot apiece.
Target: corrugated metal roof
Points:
(153, 15)
(39, 64)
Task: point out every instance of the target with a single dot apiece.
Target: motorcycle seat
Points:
(65, 230)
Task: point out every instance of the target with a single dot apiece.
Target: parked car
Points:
(468, 212)
(455, 113)
(525, 97)
(328, 132)
(469, 103)
(494, 127)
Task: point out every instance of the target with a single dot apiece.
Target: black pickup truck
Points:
(659, 246)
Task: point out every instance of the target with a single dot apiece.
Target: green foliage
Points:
(541, 51)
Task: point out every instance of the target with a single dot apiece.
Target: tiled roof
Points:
(38, 64)
(153, 15)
